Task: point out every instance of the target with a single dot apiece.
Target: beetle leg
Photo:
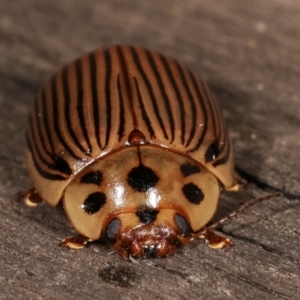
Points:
(75, 242)
(216, 241)
(237, 186)
(31, 197)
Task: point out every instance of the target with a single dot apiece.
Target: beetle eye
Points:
(183, 224)
(112, 228)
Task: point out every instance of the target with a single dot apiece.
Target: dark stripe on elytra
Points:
(66, 93)
(204, 110)
(222, 148)
(121, 110)
(226, 156)
(59, 164)
(147, 216)
(143, 110)
(224, 159)
(220, 125)
(211, 110)
(56, 118)
(213, 149)
(212, 152)
(192, 103)
(37, 166)
(150, 90)
(46, 119)
(80, 103)
(227, 142)
(225, 145)
(35, 140)
(226, 138)
(163, 92)
(178, 96)
(219, 129)
(107, 59)
(38, 125)
(217, 126)
(31, 134)
(96, 113)
(127, 89)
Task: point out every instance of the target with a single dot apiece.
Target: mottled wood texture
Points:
(248, 52)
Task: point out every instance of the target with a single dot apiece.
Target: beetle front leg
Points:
(75, 242)
(216, 241)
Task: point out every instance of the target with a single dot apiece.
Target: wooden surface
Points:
(248, 52)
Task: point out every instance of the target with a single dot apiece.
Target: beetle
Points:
(135, 146)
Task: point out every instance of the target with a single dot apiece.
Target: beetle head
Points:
(148, 233)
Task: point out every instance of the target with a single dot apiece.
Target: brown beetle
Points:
(135, 146)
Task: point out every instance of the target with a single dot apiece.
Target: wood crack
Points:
(265, 186)
(259, 286)
(256, 243)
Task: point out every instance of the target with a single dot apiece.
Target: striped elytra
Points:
(129, 138)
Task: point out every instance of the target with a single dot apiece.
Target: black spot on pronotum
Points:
(112, 228)
(189, 169)
(192, 192)
(92, 177)
(147, 216)
(212, 152)
(142, 178)
(94, 202)
(61, 165)
(183, 224)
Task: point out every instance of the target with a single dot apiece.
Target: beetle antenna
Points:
(237, 211)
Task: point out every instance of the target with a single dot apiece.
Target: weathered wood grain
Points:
(248, 51)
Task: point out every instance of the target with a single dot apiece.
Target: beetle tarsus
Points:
(237, 186)
(31, 197)
(75, 242)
